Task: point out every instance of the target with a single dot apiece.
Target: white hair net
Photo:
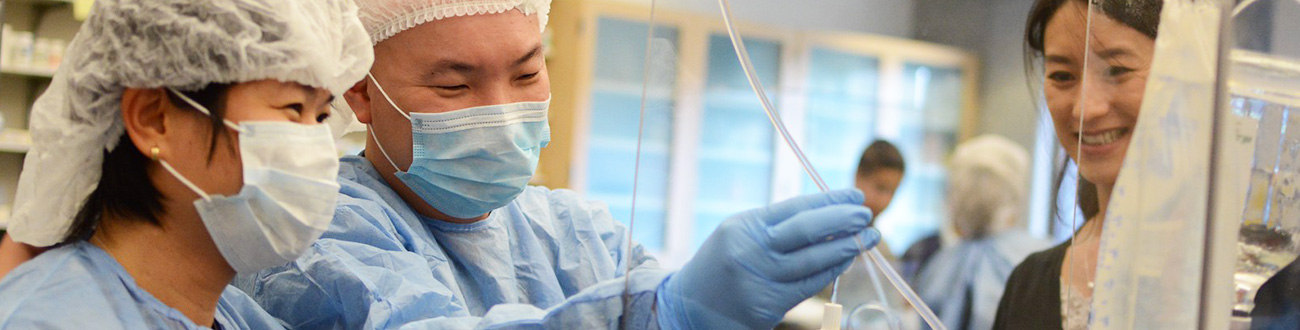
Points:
(182, 44)
(385, 18)
(988, 183)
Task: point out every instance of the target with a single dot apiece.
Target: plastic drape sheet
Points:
(1151, 256)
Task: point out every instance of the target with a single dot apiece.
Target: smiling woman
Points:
(1096, 58)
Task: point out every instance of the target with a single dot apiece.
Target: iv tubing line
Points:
(636, 169)
(874, 254)
(880, 294)
(754, 83)
(1078, 167)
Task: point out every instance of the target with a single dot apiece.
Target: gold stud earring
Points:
(153, 153)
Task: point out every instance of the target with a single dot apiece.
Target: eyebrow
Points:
(309, 92)
(1114, 52)
(466, 68)
(459, 67)
(1104, 54)
(537, 51)
(1059, 59)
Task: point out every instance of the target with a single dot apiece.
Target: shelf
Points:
(51, 2)
(28, 71)
(15, 141)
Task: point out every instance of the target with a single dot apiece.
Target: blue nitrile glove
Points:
(760, 263)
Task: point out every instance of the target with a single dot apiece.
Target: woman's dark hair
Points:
(878, 156)
(1141, 15)
(124, 188)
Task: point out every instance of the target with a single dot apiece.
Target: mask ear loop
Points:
(371, 130)
(204, 109)
(183, 180)
(385, 94)
(168, 166)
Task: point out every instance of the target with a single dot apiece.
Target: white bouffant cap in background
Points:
(385, 18)
(988, 186)
(181, 44)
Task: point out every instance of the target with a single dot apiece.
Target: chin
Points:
(1102, 175)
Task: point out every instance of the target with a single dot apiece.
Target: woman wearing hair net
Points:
(180, 144)
(986, 202)
(437, 227)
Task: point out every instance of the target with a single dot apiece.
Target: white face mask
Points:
(288, 197)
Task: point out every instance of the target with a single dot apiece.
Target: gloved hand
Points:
(760, 263)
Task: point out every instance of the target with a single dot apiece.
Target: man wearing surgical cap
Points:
(987, 196)
(134, 183)
(437, 228)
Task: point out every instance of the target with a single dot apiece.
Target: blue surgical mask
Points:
(468, 162)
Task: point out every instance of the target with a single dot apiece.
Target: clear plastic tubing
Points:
(874, 255)
(636, 171)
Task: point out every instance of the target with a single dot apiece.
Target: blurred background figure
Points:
(987, 190)
(880, 171)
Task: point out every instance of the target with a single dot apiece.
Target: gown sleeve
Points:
(364, 275)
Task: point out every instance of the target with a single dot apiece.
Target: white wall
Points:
(1286, 28)
(884, 17)
(993, 30)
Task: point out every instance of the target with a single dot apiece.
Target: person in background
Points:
(1118, 43)
(180, 144)
(437, 228)
(988, 184)
(880, 171)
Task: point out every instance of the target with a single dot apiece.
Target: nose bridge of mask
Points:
(298, 136)
(312, 150)
(479, 117)
(484, 116)
(476, 132)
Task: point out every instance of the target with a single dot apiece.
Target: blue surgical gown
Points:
(79, 286)
(546, 260)
(963, 283)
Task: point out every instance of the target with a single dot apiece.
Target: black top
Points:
(1277, 303)
(1032, 299)
(914, 260)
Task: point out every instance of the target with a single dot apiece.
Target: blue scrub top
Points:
(546, 260)
(964, 283)
(79, 286)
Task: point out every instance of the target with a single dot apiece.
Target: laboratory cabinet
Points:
(707, 149)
